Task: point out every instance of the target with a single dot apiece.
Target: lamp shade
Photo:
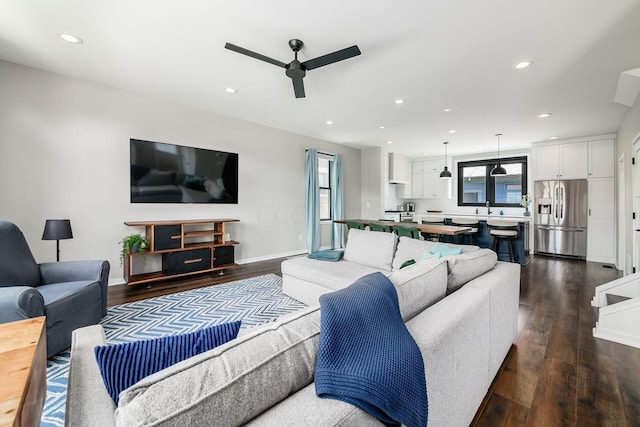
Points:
(57, 229)
(446, 173)
(498, 170)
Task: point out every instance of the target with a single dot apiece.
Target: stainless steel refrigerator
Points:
(560, 218)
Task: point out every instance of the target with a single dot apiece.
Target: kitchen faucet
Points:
(488, 205)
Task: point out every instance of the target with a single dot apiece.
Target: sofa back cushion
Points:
(371, 248)
(468, 266)
(414, 249)
(420, 285)
(230, 384)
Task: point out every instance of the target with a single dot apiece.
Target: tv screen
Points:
(168, 173)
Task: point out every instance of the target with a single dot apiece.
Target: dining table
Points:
(449, 230)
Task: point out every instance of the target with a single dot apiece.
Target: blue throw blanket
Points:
(366, 355)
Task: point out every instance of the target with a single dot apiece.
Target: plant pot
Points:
(134, 249)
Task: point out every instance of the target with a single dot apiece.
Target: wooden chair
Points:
(503, 230)
(402, 231)
(355, 224)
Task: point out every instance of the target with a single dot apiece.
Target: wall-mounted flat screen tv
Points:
(168, 173)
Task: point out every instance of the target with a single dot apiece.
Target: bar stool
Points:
(467, 222)
(432, 220)
(379, 227)
(504, 230)
(411, 232)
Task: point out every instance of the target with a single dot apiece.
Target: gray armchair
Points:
(70, 294)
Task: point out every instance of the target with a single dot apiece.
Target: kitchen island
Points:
(485, 240)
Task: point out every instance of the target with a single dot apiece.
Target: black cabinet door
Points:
(187, 261)
(167, 237)
(223, 255)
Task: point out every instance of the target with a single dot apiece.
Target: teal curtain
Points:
(312, 201)
(337, 202)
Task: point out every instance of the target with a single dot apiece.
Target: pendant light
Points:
(446, 173)
(498, 169)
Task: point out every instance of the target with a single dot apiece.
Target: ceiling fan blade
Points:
(298, 87)
(330, 58)
(254, 55)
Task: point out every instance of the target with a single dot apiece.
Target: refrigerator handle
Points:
(555, 202)
(561, 202)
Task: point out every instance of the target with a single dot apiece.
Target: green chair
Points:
(411, 232)
(408, 221)
(379, 227)
(356, 225)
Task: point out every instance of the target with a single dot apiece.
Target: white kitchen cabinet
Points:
(560, 161)
(427, 184)
(601, 221)
(399, 169)
(417, 166)
(601, 158)
(417, 185)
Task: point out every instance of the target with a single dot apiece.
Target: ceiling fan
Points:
(295, 69)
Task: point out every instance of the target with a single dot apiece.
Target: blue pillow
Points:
(445, 250)
(326, 255)
(428, 255)
(123, 365)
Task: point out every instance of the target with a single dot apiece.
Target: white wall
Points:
(64, 153)
(629, 129)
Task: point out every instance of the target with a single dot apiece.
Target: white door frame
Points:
(636, 202)
(622, 212)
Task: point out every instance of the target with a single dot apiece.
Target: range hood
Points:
(399, 169)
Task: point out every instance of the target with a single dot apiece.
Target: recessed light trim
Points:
(523, 64)
(230, 90)
(329, 122)
(389, 142)
(399, 101)
(380, 127)
(452, 131)
(543, 115)
(553, 137)
(70, 38)
(446, 110)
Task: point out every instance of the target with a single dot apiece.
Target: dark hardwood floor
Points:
(556, 374)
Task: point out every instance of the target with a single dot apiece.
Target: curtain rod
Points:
(321, 152)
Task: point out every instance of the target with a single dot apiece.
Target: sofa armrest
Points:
(20, 302)
(71, 271)
(88, 403)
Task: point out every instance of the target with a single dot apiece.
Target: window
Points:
(324, 180)
(476, 186)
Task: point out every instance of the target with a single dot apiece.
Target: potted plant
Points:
(525, 202)
(133, 243)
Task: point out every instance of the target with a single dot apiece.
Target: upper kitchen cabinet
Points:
(426, 182)
(399, 169)
(601, 158)
(560, 161)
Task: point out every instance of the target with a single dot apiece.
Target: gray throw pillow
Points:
(420, 285)
(468, 266)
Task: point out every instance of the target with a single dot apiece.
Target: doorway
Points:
(623, 265)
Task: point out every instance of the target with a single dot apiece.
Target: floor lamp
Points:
(57, 229)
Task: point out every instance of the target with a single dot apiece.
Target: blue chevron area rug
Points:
(254, 301)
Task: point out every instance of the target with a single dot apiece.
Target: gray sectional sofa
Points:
(463, 321)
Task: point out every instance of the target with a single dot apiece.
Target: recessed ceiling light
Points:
(329, 122)
(380, 127)
(446, 110)
(543, 115)
(425, 154)
(70, 38)
(399, 101)
(230, 90)
(389, 142)
(523, 64)
(452, 131)
(553, 137)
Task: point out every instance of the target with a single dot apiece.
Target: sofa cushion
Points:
(468, 266)
(230, 384)
(332, 275)
(413, 249)
(370, 248)
(420, 285)
(122, 365)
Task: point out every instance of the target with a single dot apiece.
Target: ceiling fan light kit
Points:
(498, 169)
(297, 70)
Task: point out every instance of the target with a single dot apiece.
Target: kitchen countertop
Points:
(481, 217)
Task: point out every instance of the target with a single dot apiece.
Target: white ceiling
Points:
(435, 54)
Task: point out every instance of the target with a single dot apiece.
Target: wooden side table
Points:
(23, 372)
